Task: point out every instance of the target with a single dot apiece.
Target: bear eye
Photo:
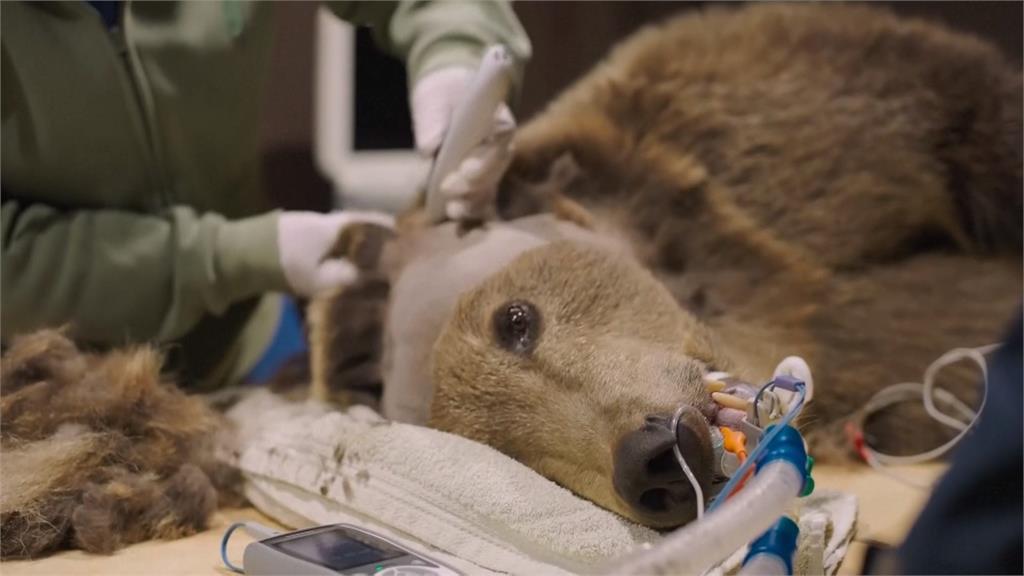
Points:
(517, 326)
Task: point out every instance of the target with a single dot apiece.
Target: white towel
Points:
(456, 500)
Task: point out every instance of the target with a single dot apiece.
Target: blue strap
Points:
(288, 342)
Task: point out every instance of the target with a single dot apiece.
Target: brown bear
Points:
(728, 188)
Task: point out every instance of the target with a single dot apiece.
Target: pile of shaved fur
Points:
(99, 452)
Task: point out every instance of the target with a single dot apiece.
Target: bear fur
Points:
(829, 181)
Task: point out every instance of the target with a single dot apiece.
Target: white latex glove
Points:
(303, 238)
(470, 189)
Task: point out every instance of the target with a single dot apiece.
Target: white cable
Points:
(698, 494)
(955, 355)
(909, 391)
(928, 394)
(254, 529)
(872, 460)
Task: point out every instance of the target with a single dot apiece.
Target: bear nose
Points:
(648, 477)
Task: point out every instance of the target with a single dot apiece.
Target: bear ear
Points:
(563, 170)
(542, 189)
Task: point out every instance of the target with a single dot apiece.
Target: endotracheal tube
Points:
(782, 474)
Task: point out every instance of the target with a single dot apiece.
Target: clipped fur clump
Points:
(98, 452)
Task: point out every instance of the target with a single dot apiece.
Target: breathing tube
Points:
(772, 553)
(754, 513)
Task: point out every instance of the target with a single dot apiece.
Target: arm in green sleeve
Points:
(120, 277)
(435, 34)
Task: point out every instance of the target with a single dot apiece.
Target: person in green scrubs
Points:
(132, 207)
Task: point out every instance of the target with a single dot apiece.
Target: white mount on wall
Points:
(362, 179)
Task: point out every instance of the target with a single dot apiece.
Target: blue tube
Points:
(788, 445)
(779, 541)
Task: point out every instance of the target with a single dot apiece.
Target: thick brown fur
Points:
(345, 326)
(831, 181)
(827, 181)
(99, 452)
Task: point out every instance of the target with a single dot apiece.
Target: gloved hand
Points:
(303, 239)
(470, 189)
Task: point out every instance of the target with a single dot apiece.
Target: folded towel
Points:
(454, 499)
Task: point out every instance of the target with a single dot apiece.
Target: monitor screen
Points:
(382, 118)
(336, 548)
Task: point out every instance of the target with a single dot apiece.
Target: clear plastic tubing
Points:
(700, 545)
(765, 565)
